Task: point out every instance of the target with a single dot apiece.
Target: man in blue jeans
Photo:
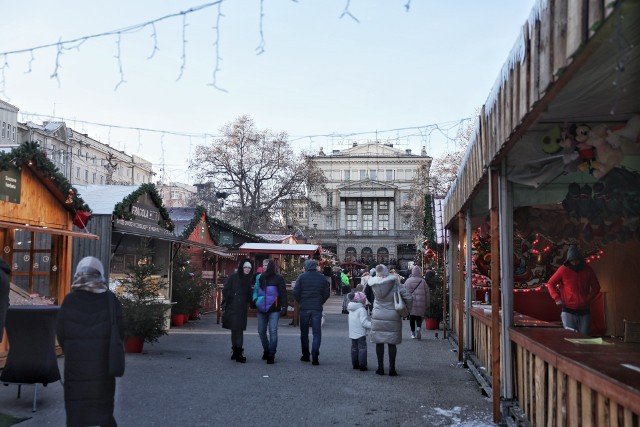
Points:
(311, 291)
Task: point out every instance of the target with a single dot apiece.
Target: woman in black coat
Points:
(236, 295)
(83, 329)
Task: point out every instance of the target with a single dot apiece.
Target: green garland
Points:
(197, 215)
(31, 152)
(213, 222)
(121, 211)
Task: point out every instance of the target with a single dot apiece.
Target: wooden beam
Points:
(495, 292)
(461, 262)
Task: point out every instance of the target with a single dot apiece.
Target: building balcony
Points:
(328, 234)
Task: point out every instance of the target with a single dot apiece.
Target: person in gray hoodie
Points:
(386, 323)
(311, 291)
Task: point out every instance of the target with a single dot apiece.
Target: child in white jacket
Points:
(359, 323)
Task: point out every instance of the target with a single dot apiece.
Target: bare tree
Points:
(259, 171)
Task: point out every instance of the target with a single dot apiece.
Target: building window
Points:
(79, 152)
(352, 222)
(389, 175)
(86, 175)
(383, 222)
(383, 256)
(363, 174)
(78, 172)
(93, 178)
(328, 221)
(346, 175)
(329, 199)
(3, 126)
(367, 205)
(383, 205)
(350, 254)
(13, 136)
(406, 222)
(101, 179)
(351, 204)
(404, 198)
(408, 173)
(301, 212)
(367, 222)
(62, 157)
(367, 255)
(373, 174)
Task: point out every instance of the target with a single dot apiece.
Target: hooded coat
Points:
(83, 330)
(417, 286)
(386, 323)
(236, 294)
(5, 270)
(359, 321)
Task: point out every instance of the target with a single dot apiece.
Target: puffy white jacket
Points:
(358, 320)
(386, 323)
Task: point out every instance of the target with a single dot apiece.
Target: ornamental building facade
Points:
(366, 212)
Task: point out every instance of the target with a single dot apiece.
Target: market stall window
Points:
(35, 261)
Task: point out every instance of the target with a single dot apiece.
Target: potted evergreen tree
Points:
(434, 311)
(142, 308)
(182, 276)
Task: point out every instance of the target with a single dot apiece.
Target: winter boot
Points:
(305, 357)
(418, 334)
(265, 355)
(234, 353)
(271, 359)
(240, 357)
(315, 360)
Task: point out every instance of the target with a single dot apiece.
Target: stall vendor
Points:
(573, 287)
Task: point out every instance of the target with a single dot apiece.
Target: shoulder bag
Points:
(116, 346)
(399, 304)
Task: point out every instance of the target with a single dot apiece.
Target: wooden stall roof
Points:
(275, 248)
(559, 42)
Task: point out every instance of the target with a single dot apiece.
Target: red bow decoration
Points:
(81, 219)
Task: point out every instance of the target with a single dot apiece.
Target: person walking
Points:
(369, 292)
(429, 278)
(574, 286)
(311, 292)
(359, 323)
(5, 287)
(346, 288)
(270, 298)
(386, 323)
(236, 295)
(83, 330)
(417, 286)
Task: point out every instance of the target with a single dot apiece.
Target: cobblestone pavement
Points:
(188, 379)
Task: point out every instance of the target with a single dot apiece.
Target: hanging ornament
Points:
(70, 197)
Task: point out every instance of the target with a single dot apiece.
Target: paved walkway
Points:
(187, 379)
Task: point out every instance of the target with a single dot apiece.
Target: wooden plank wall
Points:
(550, 45)
(550, 397)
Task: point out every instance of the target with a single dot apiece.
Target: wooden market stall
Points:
(37, 210)
(555, 160)
(208, 259)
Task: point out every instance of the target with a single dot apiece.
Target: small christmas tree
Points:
(140, 294)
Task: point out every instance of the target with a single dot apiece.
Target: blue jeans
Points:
(359, 351)
(345, 301)
(577, 322)
(271, 319)
(313, 317)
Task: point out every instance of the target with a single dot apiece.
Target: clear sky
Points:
(382, 67)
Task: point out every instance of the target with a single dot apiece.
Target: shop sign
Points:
(207, 274)
(226, 238)
(10, 183)
(146, 220)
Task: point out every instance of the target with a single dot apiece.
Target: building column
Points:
(359, 205)
(343, 215)
(375, 217)
(392, 214)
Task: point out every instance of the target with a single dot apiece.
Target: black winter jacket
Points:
(311, 290)
(236, 295)
(83, 331)
(5, 270)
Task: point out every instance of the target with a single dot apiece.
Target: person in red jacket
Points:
(573, 287)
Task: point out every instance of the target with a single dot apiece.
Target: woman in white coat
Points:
(386, 323)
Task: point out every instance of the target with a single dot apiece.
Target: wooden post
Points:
(461, 262)
(495, 293)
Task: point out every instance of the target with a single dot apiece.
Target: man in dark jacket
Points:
(311, 292)
(429, 277)
(5, 270)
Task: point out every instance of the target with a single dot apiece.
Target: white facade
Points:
(176, 194)
(83, 160)
(9, 122)
(366, 213)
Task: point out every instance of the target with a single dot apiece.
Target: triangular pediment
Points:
(373, 149)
